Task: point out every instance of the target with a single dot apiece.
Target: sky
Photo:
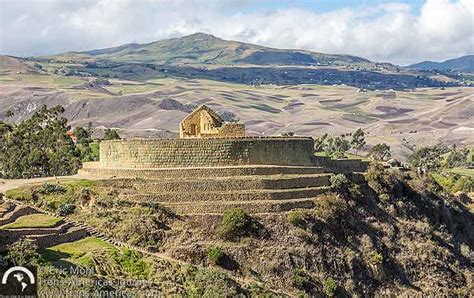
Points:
(399, 31)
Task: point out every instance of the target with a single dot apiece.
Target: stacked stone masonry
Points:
(163, 153)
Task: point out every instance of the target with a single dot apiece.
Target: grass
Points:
(77, 252)
(33, 221)
(20, 194)
(463, 171)
(348, 155)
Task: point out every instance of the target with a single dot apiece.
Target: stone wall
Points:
(162, 153)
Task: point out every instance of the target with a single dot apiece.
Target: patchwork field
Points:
(153, 107)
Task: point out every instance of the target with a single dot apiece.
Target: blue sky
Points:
(398, 31)
(326, 5)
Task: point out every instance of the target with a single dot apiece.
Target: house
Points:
(203, 122)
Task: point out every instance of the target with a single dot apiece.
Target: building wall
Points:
(158, 153)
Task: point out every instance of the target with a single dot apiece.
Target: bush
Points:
(216, 255)
(23, 252)
(339, 182)
(297, 218)
(132, 262)
(380, 152)
(50, 188)
(66, 209)
(375, 258)
(211, 283)
(330, 287)
(236, 222)
(301, 280)
(330, 207)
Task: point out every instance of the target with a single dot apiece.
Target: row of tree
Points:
(41, 146)
(337, 146)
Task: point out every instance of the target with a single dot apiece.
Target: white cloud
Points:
(391, 32)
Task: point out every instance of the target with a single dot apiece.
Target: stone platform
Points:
(194, 176)
(166, 153)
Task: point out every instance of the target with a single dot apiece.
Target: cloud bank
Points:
(390, 32)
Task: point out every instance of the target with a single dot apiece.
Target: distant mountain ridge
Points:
(462, 64)
(201, 48)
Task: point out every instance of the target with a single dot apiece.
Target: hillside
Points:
(201, 48)
(461, 64)
(390, 232)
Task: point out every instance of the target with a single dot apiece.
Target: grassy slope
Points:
(202, 48)
(33, 221)
(78, 252)
(387, 230)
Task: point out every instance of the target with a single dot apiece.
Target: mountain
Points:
(461, 64)
(201, 48)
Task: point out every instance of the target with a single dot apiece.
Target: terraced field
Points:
(154, 107)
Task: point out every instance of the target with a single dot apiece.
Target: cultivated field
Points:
(154, 107)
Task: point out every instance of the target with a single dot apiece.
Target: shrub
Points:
(301, 280)
(330, 207)
(211, 283)
(339, 182)
(296, 218)
(23, 252)
(330, 286)
(50, 188)
(375, 258)
(380, 152)
(216, 255)
(66, 209)
(132, 262)
(235, 223)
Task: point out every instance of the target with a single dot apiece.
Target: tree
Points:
(111, 134)
(320, 142)
(336, 147)
(358, 140)
(9, 114)
(39, 146)
(380, 152)
(23, 252)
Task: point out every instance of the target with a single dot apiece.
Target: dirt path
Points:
(6, 184)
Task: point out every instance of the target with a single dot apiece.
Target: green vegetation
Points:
(66, 209)
(454, 182)
(111, 134)
(23, 253)
(330, 287)
(39, 146)
(440, 157)
(216, 255)
(336, 147)
(79, 252)
(375, 258)
(20, 194)
(380, 152)
(87, 147)
(297, 217)
(132, 262)
(33, 221)
(236, 222)
(210, 283)
(300, 278)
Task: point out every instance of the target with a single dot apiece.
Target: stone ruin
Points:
(213, 166)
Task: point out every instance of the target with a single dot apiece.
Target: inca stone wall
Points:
(162, 153)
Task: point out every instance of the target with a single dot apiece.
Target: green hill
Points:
(201, 48)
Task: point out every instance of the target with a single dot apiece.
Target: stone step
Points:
(242, 195)
(39, 231)
(181, 173)
(17, 212)
(70, 235)
(222, 184)
(263, 206)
